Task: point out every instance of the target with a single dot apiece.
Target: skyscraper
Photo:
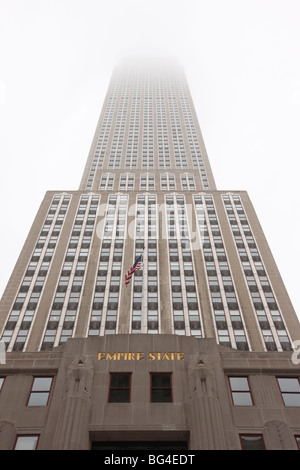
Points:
(205, 323)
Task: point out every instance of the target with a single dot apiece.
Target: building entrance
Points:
(139, 445)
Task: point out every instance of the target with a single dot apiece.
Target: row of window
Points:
(184, 297)
(105, 303)
(105, 130)
(158, 100)
(120, 385)
(242, 395)
(119, 388)
(39, 392)
(25, 305)
(147, 182)
(256, 442)
(248, 442)
(270, 320)
(66, 301)
(145, 283)
(224, 300)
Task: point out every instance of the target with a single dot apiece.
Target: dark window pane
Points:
(119, 388)
(120, 380)
(252, 443)
(161, 395)
(161, 390)
(119, 396)
(161, 380)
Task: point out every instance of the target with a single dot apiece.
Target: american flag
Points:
(136, 266)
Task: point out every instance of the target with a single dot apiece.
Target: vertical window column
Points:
(184, 292)
(65, 307)
(162, 129)
(21, 317)
(106, 126)
(228, 318)
(126, 182)
(107, 182)
(107, 290)
(145, 305)
(269, 318)
(147, 182)
(177, 133)
(187, 182)
(193, 140)
(133, 136)
(139, 280)
(167, 182)
(147, 160)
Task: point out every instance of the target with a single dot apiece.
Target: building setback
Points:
(198, 349)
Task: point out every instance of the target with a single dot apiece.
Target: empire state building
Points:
(147, 303)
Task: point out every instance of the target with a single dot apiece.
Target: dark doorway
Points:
(139, 445)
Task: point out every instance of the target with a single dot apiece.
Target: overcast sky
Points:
(241, 59)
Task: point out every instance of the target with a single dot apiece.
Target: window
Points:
(1, 382)
(298, 441)
(119, 388)
(252, 442)
(161, 388)
(240, 391)
(40, 391)
(290, 390)
(26, 442)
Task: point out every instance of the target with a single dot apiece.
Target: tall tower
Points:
(208, 284)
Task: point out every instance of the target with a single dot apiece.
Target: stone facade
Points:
(200, 416)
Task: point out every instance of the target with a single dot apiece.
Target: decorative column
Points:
(278, 436)
(7, 435)
(72, 430)
(206, 427)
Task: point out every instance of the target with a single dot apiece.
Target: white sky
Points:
(241, 58)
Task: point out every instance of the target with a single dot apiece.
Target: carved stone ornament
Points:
(279, 435)
(201, 377)
(79, 378)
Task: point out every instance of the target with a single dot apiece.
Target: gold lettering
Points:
(139, 356)
(113, 356)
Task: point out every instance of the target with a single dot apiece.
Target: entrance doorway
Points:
(139, 445)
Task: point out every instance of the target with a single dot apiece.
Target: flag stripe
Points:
(136, 266)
